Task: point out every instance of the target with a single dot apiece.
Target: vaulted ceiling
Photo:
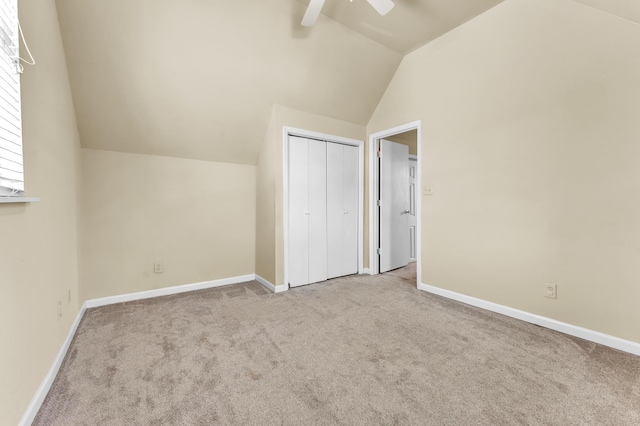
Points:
(198, 78)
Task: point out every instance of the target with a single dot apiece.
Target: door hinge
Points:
(379, 251)
(379, 154)
(379, 203)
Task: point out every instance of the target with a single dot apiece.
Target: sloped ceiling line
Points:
(196, 79)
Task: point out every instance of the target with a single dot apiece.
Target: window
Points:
(11, 162)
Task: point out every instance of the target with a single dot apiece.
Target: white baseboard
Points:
(270, 286)
(93, 303)
(43, 389)
(366, 271)
(573, 330)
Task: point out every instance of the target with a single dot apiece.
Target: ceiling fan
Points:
(315, 6)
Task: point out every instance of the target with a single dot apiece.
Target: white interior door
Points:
(342, 210)
(394, 205)
(413, 222)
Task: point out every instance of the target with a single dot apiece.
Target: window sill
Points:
(7, 200)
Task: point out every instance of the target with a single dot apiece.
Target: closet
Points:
(323, 210)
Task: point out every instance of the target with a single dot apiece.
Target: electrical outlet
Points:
(157, 267)
(428, 190)
(59, 309)
(551, 291)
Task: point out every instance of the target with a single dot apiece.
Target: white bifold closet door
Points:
(307, 211)
(342, 210)
(323, 210)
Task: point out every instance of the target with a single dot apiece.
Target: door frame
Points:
(374, 266)
(292, 131)
(415, 158)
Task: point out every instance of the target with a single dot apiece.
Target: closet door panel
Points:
(317, 211)
(335, 209)
(298, 211)
(350, 197)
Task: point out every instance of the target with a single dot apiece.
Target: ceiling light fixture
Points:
(315, 6)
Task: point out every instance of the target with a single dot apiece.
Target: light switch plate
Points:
(551, 291)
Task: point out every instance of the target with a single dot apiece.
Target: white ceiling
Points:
(198, 79)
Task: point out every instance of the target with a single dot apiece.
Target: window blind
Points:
(11, 162)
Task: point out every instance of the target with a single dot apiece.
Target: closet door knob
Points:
(306, 213)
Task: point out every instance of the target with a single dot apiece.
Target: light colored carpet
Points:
(355, 351)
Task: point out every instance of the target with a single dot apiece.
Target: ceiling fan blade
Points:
(382, 6)
(312, 13)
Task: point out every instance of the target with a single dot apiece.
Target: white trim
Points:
(373, 188)
(285, 202)
(93, 303)
(8, 200)
(270, 286)
(361, 179)
(320, 136)
(43, 389)
(292, 131)
(366, 271)
(563, 327)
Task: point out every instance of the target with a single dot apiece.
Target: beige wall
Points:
(266, 204)
(270, 252)
(409, 139)
(197, 217)
(529, 139)
(530, 136)
(38, 242)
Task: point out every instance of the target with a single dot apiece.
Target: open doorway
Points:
(395, 202)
